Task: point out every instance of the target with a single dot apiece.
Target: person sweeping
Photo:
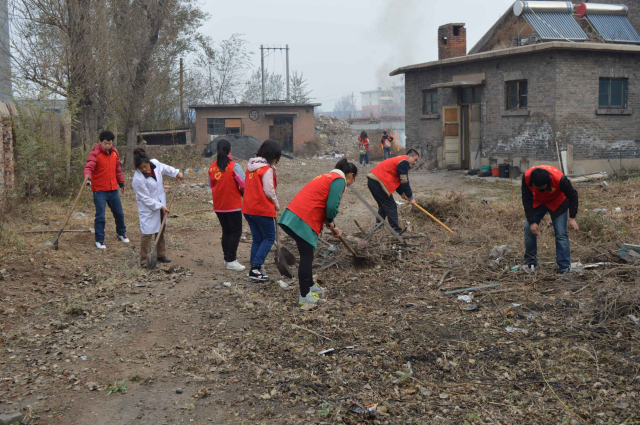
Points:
(545, 189)
(226, 180)
(315, 206)
(151, 199)
(392, 175)
(260, 205)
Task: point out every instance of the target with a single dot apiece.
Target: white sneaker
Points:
(234, 265)
(318, 289)
(100, 245)
(311, 298)
(123, 239)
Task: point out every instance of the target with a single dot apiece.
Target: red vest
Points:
(310, 204)
(224, 189)
(553, 198)
(255, 201)
(387, 172)
(103, 177)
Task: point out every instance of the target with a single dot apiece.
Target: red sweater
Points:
(104, 169)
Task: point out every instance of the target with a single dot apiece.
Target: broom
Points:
(152, 257)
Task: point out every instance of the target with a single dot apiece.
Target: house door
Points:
(282, 131)
(451, 136)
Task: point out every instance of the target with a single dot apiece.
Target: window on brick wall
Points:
(517, 95)
(613, 93)
(470, 95)
(430, 102)
(216, 126)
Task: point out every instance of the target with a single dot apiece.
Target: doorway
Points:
(282, 132)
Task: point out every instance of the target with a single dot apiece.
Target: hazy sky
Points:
(349, 45)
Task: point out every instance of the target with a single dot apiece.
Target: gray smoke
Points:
(398, 27)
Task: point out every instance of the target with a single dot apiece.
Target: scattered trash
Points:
(369, 410)
(140, 285)
(304, 163)
(196, 170)
(178, 390)
(600, 210)
(473, 288)
(399, 203)
(472, 307)
(48, 243)
(501, 250)
(513, 269)
(604, 183)
(92, 386)
(330, 250)
(84, 358)
(617, 209)
(409, 305)
(443, 396)
(512, 330)
(465, 298)
(227, 284)
(283, 284)
(516, 305)
(424, 392)
(329, 351)
(634, 319)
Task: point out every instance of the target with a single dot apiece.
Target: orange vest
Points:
(387, 172)
(552, 199)
(255, 201)
(103, 178)
(224, 189)
(310, 204)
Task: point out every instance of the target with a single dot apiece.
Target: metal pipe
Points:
(520, 7)
(288, 96)
(262, 70)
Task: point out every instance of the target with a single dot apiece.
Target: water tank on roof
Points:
(521, 7)
(601, 9)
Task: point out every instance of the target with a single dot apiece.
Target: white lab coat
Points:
(151, 197)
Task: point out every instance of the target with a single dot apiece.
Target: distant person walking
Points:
(152, 202)
(363, 148)
(105, 176)
(260, 205)
(226, 179)
(386, 144)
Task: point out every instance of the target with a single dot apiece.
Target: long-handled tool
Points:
(346, 244)
(281, 262)
(152, 257)
(57, 238)
(432, 217)
(383, 221)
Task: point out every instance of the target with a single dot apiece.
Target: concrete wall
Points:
(562, 104)
(303, 124)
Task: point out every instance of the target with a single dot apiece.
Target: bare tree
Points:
(274, 87)
(224, 68)
(299, 92)
(345, 107)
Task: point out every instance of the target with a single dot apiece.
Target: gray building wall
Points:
(563, 98)
(5, 58)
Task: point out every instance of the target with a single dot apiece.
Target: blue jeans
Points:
(365, 158)
(563, 251)
(387, 152)
(101, 199)
(263, 231)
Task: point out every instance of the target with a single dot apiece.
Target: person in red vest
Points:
(260, 205)
(226, 179)
(363, 148)
(392, 175)
(105, 176)
(385, 142)
(315, 206)
(546, 189)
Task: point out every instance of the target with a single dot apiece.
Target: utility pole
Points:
(288, 95)
(181, 92)
(262, 67)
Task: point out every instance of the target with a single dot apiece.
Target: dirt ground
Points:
(89, 337)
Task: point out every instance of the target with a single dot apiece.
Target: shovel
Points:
(346, 244)
(57, 238)
(152, 257)
(281, 262)
(432, 217)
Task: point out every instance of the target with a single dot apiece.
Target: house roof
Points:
(489, 34)
(257, 105)
(520, 50)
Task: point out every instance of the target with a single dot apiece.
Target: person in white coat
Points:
(149, 190)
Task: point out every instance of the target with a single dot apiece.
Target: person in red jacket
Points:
(392, 175)
(226, 179)
(545, 189)
(105, 176)
(260, 205)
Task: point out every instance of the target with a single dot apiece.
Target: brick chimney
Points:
(452, 41)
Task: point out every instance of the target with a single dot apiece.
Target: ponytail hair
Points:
(347, 167)
(363, 136)
(140, 157)
(223, 147)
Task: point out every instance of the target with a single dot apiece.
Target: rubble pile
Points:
(335, 136)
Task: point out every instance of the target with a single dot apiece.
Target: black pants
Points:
(305, 269)
(231, 223)
(387, 207)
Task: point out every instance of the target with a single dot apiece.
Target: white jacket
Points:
(151, 197)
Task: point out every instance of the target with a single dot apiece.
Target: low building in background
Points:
(291, 124)
(377, 103)
(546, 74)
